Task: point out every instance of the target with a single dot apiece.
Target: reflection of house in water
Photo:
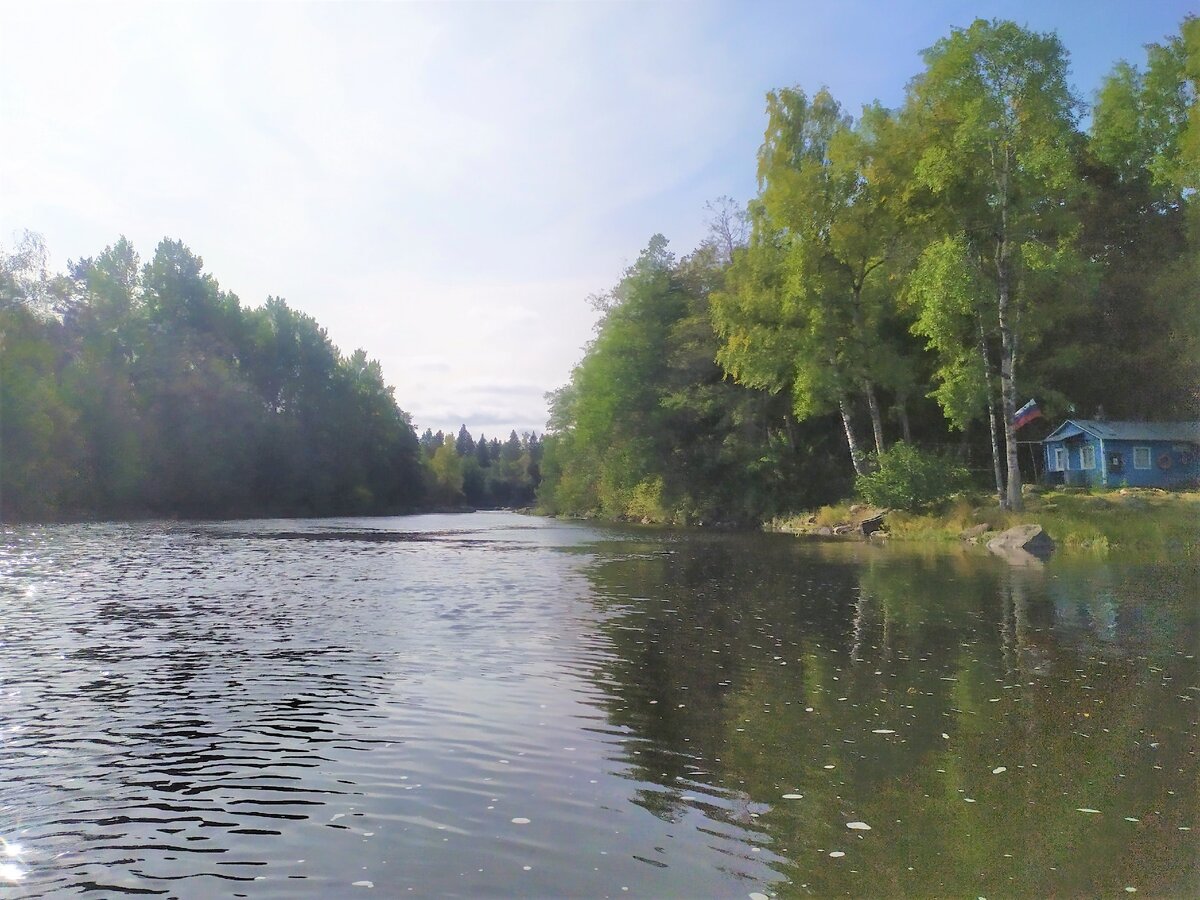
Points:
(1099, 608)
(1112, 609)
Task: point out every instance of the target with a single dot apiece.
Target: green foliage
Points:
(1146, 125)
(1140, 338)
(648, 428)
(994, 120)
(947, 295)
(905, 477)
(447, 470)
(147, 390)
(482, 474)
(808, 305)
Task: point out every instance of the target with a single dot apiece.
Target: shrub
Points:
(645, 501)
(906, 477)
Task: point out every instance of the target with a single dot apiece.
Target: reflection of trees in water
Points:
(887, 689)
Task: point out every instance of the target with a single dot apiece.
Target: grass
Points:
(1133, 519)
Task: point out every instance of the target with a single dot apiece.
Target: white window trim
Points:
(1060, 459)
(1086, 451)
(1149, 461)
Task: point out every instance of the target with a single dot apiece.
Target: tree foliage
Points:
(972, 249)
(905, 477)
(132, 389)
(649, 429)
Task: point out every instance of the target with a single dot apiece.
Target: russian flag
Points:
(1026, 414)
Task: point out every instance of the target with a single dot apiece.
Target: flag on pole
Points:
(1026, 414)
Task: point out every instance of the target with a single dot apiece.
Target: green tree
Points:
(98, 378)
(1141, 344)
(464, 445)
(997, 124)
(448, 472)
(809, 301)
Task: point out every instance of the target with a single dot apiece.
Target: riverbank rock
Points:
(871, 526)
(975, 532)
(1022, 545)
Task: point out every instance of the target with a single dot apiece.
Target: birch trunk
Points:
(991, 415)
(1008, 340)
(856, 457)
(902, 410)
(876, 420)
(1008, 392)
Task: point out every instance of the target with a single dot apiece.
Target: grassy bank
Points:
(1128, 519)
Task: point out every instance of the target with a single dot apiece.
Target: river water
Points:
(492, 704)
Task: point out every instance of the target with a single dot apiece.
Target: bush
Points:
(906, 477)
(645, 502)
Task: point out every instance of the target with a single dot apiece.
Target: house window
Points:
(1141, 457)
(1087, 457)
(1060, 459)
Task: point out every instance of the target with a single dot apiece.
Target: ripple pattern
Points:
(309, 708)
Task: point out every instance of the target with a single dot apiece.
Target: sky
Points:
(444, 184)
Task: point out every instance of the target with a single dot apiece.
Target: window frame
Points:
(1149, 458)
(1087, 457)
(1060, 459)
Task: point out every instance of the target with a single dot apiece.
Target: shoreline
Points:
(1125, 519)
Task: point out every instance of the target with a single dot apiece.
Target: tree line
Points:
(482, 473)
(136, 390)
(905, 274)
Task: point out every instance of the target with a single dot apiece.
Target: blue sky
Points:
(443, 184)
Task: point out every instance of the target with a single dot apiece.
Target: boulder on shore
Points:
(975, 531)
(1024, 544)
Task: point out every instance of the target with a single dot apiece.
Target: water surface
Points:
(500, 705)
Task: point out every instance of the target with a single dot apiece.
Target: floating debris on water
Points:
(883, 731)
(520, 820)
(836, 854)
(1084, 809)
(858, 826)
(793, 796)
(999, 769)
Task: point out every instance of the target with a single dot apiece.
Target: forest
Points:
(903, 282)
(131, 390)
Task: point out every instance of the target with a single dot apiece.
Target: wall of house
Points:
(1184, 468)
(1075, 474)
(1184, 459)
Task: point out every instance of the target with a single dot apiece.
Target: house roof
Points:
(1129, 431)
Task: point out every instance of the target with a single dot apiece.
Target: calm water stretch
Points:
(491, 704)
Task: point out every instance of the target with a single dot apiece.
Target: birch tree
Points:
(806, 300)
(997, 124)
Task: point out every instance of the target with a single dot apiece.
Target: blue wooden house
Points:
(1086, 452)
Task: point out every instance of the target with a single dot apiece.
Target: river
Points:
(492, 704)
